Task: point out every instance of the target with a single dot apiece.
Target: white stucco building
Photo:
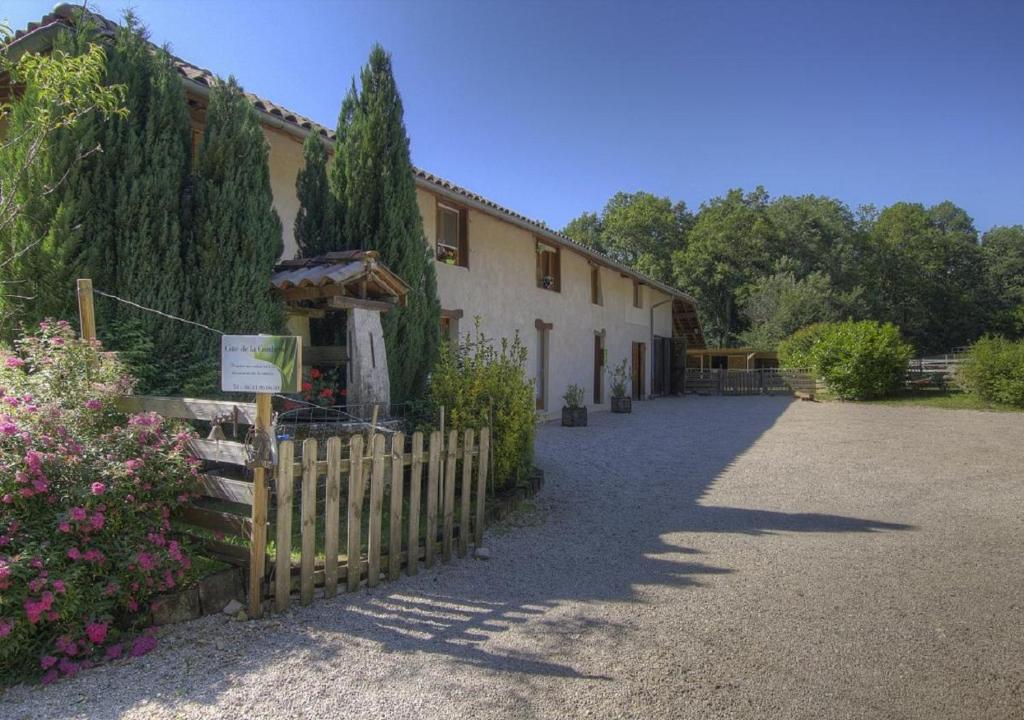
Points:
(578, 312)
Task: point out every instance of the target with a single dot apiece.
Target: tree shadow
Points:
(617, 496)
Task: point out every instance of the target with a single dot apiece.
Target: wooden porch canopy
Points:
(686, 324)
(339, 281)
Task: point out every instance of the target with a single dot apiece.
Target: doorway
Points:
(639, 370)
(598, 368)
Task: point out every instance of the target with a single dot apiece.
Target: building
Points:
(577, 311)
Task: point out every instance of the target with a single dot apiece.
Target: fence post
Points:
(258, 541)
(86, 312)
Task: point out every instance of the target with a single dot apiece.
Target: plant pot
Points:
(622, 405)
(574, 416)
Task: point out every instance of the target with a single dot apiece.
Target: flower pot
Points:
(574, 416)
(622, 405)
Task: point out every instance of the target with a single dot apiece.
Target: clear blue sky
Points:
(551, 107)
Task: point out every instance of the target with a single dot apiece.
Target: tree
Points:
(639, 229)
(1002, 250)
(61, 90)
(237, 233)
(316, 223)
(729, 247)
(586, 230)
(780, 304)
(373, 173)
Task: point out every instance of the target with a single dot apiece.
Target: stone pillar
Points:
(368, 382)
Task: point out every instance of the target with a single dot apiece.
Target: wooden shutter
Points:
(464, 238)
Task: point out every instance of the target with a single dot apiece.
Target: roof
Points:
(336, 272)
(202, 80)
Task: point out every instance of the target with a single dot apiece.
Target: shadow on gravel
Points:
(614, 492)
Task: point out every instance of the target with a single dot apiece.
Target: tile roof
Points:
(64, 15)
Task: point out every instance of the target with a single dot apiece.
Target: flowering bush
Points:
(321, 387)
(85, 501)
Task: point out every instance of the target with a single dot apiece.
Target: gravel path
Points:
(704, 557)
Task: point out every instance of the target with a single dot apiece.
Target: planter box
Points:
(574, 417)
(622, 405)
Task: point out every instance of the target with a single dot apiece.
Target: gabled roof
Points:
(37, 35)
(336, 272)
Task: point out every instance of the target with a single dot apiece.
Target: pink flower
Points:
(132, 605)
(14, 362)
(78, 514)
(67, 646)
(67, 667)
(97, 632)
(26, 492)
(98, 488)
(74, 554)
(8, 498)
(114, 651)
(142, 645)
(5, 628)
(7, 426)
(58, 586)
(97, 521)
(47, 662)
(146, 561)
(93, 404)
(93, 556)
(64, 527)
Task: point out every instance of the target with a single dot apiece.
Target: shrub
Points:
(573, 396)
(857, 360)
(619, 375)
(479, 384)
(85, 501)
(994, 371)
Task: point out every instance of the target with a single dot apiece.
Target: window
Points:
(595, 285)
(452, 240)
(450, 325)
(638, 296)
(549, 267)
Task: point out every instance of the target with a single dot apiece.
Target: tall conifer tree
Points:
(317, 223)
(236, 231)
(381, 214)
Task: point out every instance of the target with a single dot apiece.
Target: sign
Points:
(260, 363)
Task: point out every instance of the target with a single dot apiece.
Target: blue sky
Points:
(551, 107)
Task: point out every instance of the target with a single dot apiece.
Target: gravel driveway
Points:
(703, 557)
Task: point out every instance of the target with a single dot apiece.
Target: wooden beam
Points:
(339, 302)
(318, 313)
(86, 312)
(226, 488)
(219, 451)
(188, 408)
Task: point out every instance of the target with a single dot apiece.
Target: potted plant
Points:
(574, 414)
(619, 375)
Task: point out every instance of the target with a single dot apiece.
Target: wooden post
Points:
(481, 484)
(433, 470)
(258, 543)
(448, 515)
(283, 560)
(353, 546)
(308, 520)
(395, 516)
(415, 486)
(467, 491)
(332, 502)
(373, 541)
(86, 313)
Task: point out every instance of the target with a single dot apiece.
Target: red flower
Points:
(314, 373)
(326, 393)
(307, 387)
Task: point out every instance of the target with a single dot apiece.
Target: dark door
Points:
(598, 370)
(639, 370)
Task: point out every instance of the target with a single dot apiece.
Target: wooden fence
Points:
(766, 381)
(395, 500)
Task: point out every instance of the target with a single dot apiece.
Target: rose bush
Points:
(86, 495)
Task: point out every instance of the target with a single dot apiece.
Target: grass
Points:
(947, 400)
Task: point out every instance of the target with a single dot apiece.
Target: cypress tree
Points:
(381, 214)
(316, 226)
(115, 213)
(236, 231)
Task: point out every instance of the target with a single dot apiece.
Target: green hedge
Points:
(857, 360)
(480, 383)
(994, 371)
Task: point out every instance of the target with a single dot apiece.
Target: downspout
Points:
(652, 339)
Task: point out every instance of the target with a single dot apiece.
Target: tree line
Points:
(186, 225)
(761, 267)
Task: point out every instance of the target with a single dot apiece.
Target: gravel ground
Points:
(703, 557)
